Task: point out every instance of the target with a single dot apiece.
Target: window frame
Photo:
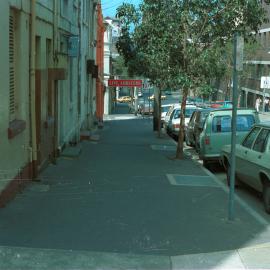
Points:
(265, 141)
(248, 135)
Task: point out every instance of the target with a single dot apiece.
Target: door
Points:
(190, 129)
(220, 134)
(257, 158)
(243, 156)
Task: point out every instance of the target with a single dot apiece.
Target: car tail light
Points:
(176, 125)
(207, 141)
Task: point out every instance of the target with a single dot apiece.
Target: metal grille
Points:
(12, 65)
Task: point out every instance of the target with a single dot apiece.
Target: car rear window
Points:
(165, 108)
(188, 113)
(203, 117)
(223, 123)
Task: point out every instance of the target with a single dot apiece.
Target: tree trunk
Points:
(180, 144)
(156, 107)
(159, 113)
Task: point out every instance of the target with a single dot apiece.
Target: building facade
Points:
(48, 93)
(256, 66)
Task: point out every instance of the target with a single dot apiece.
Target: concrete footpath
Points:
(123, 202)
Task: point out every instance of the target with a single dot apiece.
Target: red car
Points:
(221, 104)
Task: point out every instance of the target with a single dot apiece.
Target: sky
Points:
(109, 6)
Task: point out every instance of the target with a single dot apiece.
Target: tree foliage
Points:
(180, 43)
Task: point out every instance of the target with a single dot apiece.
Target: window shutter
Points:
(12, 66)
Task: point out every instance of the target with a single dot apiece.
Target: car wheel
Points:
(197, 147)
(266, 197)
(206, 164)
(187, 140)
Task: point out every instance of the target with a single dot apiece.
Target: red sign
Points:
(128, 83)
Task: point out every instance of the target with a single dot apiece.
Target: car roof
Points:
(263, 124)
(187, 107)
(224, 110)
(167, 105)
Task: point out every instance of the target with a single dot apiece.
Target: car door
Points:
(257, 158)
(220, 133)
(190, 128)
(198, 125)
(243, 153)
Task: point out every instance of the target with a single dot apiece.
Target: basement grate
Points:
(162, 147)
(192, 180)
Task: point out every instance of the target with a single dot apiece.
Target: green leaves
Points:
(182, 43)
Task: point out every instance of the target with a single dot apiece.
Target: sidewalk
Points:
(123, 203)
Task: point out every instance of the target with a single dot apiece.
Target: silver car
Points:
(252, 161)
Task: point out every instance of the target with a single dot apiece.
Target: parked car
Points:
(173, 125)
(217, 131)
(164, 109)
(168, 92)
(146, 108)
(195, 127)
(252, 159)
(125, 99)
(168, 114)
(152, 97)
(221, 104)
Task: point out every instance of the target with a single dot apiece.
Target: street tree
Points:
(179, 42)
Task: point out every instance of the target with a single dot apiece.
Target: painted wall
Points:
(75, 90)
(14, 152)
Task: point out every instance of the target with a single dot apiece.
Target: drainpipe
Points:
(79, 96)
(32, 89)
(55, 63)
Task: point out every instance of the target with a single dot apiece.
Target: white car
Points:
(173, 126)
(168, 114)
(164, 109)
(252, 158)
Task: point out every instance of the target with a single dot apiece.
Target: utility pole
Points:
(237, 66)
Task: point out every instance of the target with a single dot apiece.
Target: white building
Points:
(110, 37)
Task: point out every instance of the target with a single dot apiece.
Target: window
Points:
(203, 116)
(259, 71)
(64, 8)
(188, 112)
(193, 117)
(12, 66)
(71, 79)
(244, 122)
(165, 109)
(261, 141)
(177, 114)
(251, 137)
(223, 123)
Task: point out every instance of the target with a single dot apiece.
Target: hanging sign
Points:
(73, 46)
(127, 83)
(265, 82)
